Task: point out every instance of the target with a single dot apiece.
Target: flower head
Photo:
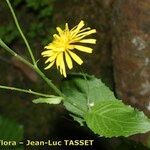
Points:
(64, 45)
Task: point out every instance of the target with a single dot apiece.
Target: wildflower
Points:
(64, 45)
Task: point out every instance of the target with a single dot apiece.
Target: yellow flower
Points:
(64, 45)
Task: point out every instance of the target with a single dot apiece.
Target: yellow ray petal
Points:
(75, 57)
(88, 28)
(51, 58)
(80, 25)
(80, 31)
(66, 27)
(74, 31)
(73, 28)
(60, 63)
(86, 33)
(68, 60)
(56, 36)
(50, 65)
(47, 53)
(80, 36)
(48, 60)
(60, 31)
(64, 73)
(58, 59)
(63, 68)
(50, 46)
(83, 48)
(90, 41)
(61, 71)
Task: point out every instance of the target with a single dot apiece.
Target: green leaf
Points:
(84, 91)
(80, 88)
(113, 119)
(78, 119)
(91, 101)
(49, 100)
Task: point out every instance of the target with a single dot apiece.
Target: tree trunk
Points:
(131, 52)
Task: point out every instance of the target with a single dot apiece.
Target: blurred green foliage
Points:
(36, 14)
(8, 33)
(11, 131)
(44, 8)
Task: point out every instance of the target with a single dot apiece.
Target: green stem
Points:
(48, 81)
(21, 33)
(23, 90)
(34, 93)
(35, 68)
(15, 54)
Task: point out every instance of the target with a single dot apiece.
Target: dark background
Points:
(121, 58)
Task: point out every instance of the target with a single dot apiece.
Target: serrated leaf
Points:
(84, 91)
(113, 119)
(50, 100)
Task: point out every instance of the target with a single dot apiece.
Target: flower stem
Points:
(21, 33)
(48, 81)
(25, 91)
(3, 45)
(35, 68)
(34, 65)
